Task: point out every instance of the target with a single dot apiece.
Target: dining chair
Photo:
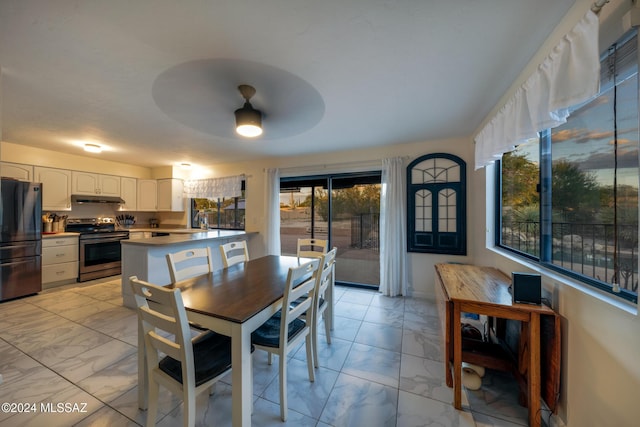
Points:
(283, 332)
(234, 252)
(186, 366)
(324, 280)
(189, 263)
(312, 248)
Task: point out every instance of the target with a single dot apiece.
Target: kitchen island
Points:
(146, 258)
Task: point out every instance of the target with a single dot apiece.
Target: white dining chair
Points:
(189, 263)
(186, 366)
(234, 252)
(283, 332)
(312, 248)
(323, 282)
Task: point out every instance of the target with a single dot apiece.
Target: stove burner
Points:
(91, 225)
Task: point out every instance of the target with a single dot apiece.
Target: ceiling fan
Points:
(248, 119)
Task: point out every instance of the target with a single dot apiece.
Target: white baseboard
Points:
(418, 294)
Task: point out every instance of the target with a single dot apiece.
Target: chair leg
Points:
(327, 328)
(283, 387)
(314, 341)
(270, 358)
(310, 351)
(152, 401)
(189, 409)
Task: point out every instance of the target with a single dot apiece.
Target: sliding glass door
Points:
(345, 209)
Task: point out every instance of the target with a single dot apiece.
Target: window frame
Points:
(236, 201)
(460, 248)
(545, 249)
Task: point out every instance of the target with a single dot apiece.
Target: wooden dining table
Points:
(235, 301)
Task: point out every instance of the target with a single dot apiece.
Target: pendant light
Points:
(248, 119)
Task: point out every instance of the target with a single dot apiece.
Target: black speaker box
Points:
(526, 288)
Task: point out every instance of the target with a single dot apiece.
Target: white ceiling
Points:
(154, 81)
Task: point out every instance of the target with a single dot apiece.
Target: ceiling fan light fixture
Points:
(248, 119)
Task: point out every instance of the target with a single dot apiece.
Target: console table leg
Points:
(457, 357)
(534, 370)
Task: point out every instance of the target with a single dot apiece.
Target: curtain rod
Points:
(333, 166)
(597, 6)
(362, 164)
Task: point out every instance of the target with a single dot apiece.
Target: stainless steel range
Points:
(100, 251)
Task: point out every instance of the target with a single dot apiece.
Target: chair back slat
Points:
(312, 248)
(159, 320)
(300, 285)
(189, 263)
(164, 345)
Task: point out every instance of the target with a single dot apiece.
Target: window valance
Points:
(214, 188)
(569, 75)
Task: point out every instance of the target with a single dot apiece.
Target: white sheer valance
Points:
(214, 188)
(569, 75)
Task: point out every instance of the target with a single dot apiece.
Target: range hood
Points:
(81, 198)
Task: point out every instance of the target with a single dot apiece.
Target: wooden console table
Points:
(485, 290)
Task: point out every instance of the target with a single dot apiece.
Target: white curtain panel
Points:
(272, 203)
(214, 188)
(568, 76)
(394, 279)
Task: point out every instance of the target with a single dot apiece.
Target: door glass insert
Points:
(344, 209)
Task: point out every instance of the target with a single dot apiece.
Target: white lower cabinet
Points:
(59, 259)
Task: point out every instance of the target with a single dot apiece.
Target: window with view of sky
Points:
(591, 164)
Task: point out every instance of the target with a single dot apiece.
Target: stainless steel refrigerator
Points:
(20, 238)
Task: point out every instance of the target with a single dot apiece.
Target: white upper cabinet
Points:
(129, 193)
(147, 195)
(56, 188)
(17, 171)
(170, 197)
(91, 184)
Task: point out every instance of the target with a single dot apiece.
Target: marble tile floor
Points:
(76, 346)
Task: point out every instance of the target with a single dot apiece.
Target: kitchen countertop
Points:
(60, 234)
(181, 238)
(174, 230)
